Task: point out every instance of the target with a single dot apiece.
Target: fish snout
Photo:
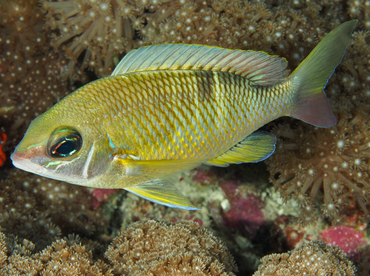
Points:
(23, 160)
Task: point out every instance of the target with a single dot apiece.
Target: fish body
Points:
(169, 108)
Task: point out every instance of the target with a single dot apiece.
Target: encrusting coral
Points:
(159, 248)
(313, 258)
(68, 256)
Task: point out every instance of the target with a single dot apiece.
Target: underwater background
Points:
(314, 188)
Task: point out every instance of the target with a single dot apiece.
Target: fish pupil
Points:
(66, 146)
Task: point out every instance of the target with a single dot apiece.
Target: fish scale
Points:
(172, 107)
(192, 108)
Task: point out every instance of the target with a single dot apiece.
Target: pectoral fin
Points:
(255, 148)
(162, 192)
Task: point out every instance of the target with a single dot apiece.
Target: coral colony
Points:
(305, 212)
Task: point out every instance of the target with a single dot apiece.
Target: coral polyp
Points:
(96, 28)
(332, 161)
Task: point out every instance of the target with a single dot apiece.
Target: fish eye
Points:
(64, 142)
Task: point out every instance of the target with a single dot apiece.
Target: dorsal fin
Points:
(258, 67)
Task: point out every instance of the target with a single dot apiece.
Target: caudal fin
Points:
(312, 75)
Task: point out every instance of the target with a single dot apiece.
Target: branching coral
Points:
(334, 161)
(152, 248)
(314, 258)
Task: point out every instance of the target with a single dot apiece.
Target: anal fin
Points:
(255, 148)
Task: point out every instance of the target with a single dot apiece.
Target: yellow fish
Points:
(169, 108)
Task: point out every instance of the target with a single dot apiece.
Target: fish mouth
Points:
(25, 164)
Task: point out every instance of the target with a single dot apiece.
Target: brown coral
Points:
(64, 257)
(333, 161)
(16, 257)
(100, 32)
(276, 29)
(145, 248)
(353, 76)
(313, 258)
(154, 248)
(32, 76)
(99, 29)
(69, 257)
(41, 210)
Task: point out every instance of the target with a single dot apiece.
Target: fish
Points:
(169, 108)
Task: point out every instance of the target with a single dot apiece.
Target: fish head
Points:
(62, 147)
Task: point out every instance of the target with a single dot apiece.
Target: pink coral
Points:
(102, 195)
(2, 154)
(246, 212)
(346, 238)
(203, 176)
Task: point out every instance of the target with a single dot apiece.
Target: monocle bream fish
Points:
(172, 107)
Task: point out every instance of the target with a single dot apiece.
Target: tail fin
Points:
(312, 75)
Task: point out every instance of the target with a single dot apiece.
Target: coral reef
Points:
(48, 47)
(157, 248)
(314, 258)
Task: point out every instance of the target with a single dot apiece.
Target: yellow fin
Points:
(158, 176)
(258, 67)
(162, 192)
(255, 148)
